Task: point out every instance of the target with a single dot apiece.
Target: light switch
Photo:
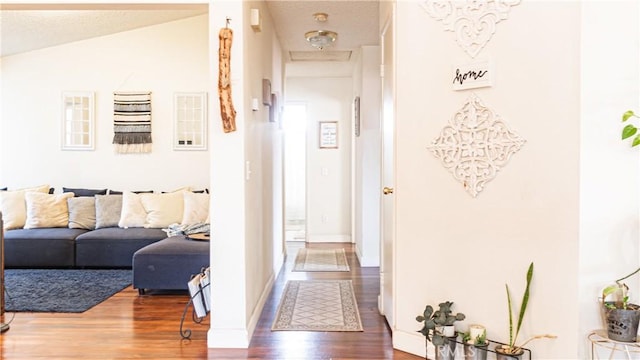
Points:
(324, 171)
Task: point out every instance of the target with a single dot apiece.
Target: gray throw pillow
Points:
(82, 213)
(108, 209)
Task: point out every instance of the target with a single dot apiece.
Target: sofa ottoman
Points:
(41, 248)
(113, 247)
(169, 264)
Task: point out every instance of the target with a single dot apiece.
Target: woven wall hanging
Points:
(132, 122)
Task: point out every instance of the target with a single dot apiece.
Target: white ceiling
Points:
(356, 23)
(36, 26)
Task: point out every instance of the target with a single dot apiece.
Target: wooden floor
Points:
(129, 326)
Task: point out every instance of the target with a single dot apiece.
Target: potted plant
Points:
(621, 317)
(629, 130)
(513, 350)
(440, 330)
(475, 343)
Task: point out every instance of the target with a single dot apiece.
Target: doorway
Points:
(294, 122)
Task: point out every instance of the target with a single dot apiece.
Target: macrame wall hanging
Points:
(475, 145)
(474, 22)
(132, 122)
(227, 112)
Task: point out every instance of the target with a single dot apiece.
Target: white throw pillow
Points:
(162, 209)
(133, 213)
(196, 208)
(46, 210)
(14, 207)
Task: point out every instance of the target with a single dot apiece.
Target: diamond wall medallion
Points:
(473, 21)
(475, 145)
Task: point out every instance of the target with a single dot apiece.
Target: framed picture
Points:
(328, 135)
(274, 109)
(266, 92)
(356, 115)
(78, 120)
(190, 121)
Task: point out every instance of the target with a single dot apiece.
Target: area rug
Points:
(321, 260)
(65, 291)
(318, 305)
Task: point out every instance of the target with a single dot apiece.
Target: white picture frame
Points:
(78, 120)
(190, 121)
(328, 134)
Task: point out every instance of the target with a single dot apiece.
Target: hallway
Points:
(373, 343)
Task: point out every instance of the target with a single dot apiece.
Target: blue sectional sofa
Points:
(76, 248)
(106, 231)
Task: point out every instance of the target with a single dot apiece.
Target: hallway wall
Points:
(328, 170)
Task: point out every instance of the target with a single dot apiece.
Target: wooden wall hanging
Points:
(227, 112)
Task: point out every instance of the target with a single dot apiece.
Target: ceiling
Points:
(36, 26)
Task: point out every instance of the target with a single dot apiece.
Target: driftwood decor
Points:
(227, 112)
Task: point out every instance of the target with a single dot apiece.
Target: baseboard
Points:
(368, 261)
(257, 311)
(329, 238)
(240, 338)
(228, 338)
(411, 343)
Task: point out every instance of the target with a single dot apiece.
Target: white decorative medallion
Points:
(475, 145)
(473, 21)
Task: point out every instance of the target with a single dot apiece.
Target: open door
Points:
(388, 176)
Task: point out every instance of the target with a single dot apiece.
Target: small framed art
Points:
(328, 131)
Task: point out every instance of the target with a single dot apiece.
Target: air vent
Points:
(320, 55)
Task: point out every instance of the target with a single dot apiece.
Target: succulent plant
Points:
(434, 319)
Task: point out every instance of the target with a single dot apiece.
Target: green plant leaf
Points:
(438, 340)
(525, 301)
(420, 318)
(609, 290)
(629, 131)
(510, 316)
(627, 114)
(636, 141)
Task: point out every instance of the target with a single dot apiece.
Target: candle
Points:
(476, 331)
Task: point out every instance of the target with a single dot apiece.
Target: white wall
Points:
(367, 157)
(246, 212)
(328, 170)
(450, 246)
(163, 59)
(609, 245)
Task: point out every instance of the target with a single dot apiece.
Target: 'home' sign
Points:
(472, 75)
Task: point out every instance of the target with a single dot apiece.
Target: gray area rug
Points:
(56, 290)
(310, 259)
(318, 305)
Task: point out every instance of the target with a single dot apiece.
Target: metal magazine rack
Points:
(200, 299)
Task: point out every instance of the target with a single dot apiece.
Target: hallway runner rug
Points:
(309, 259)
(61, 290)
(318, 305)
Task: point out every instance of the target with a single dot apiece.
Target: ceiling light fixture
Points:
(320, 39)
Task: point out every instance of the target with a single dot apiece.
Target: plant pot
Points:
(448, 350)
(622, 324)
(475, 352)
(502, 355)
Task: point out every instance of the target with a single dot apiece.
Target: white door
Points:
(388, 171)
